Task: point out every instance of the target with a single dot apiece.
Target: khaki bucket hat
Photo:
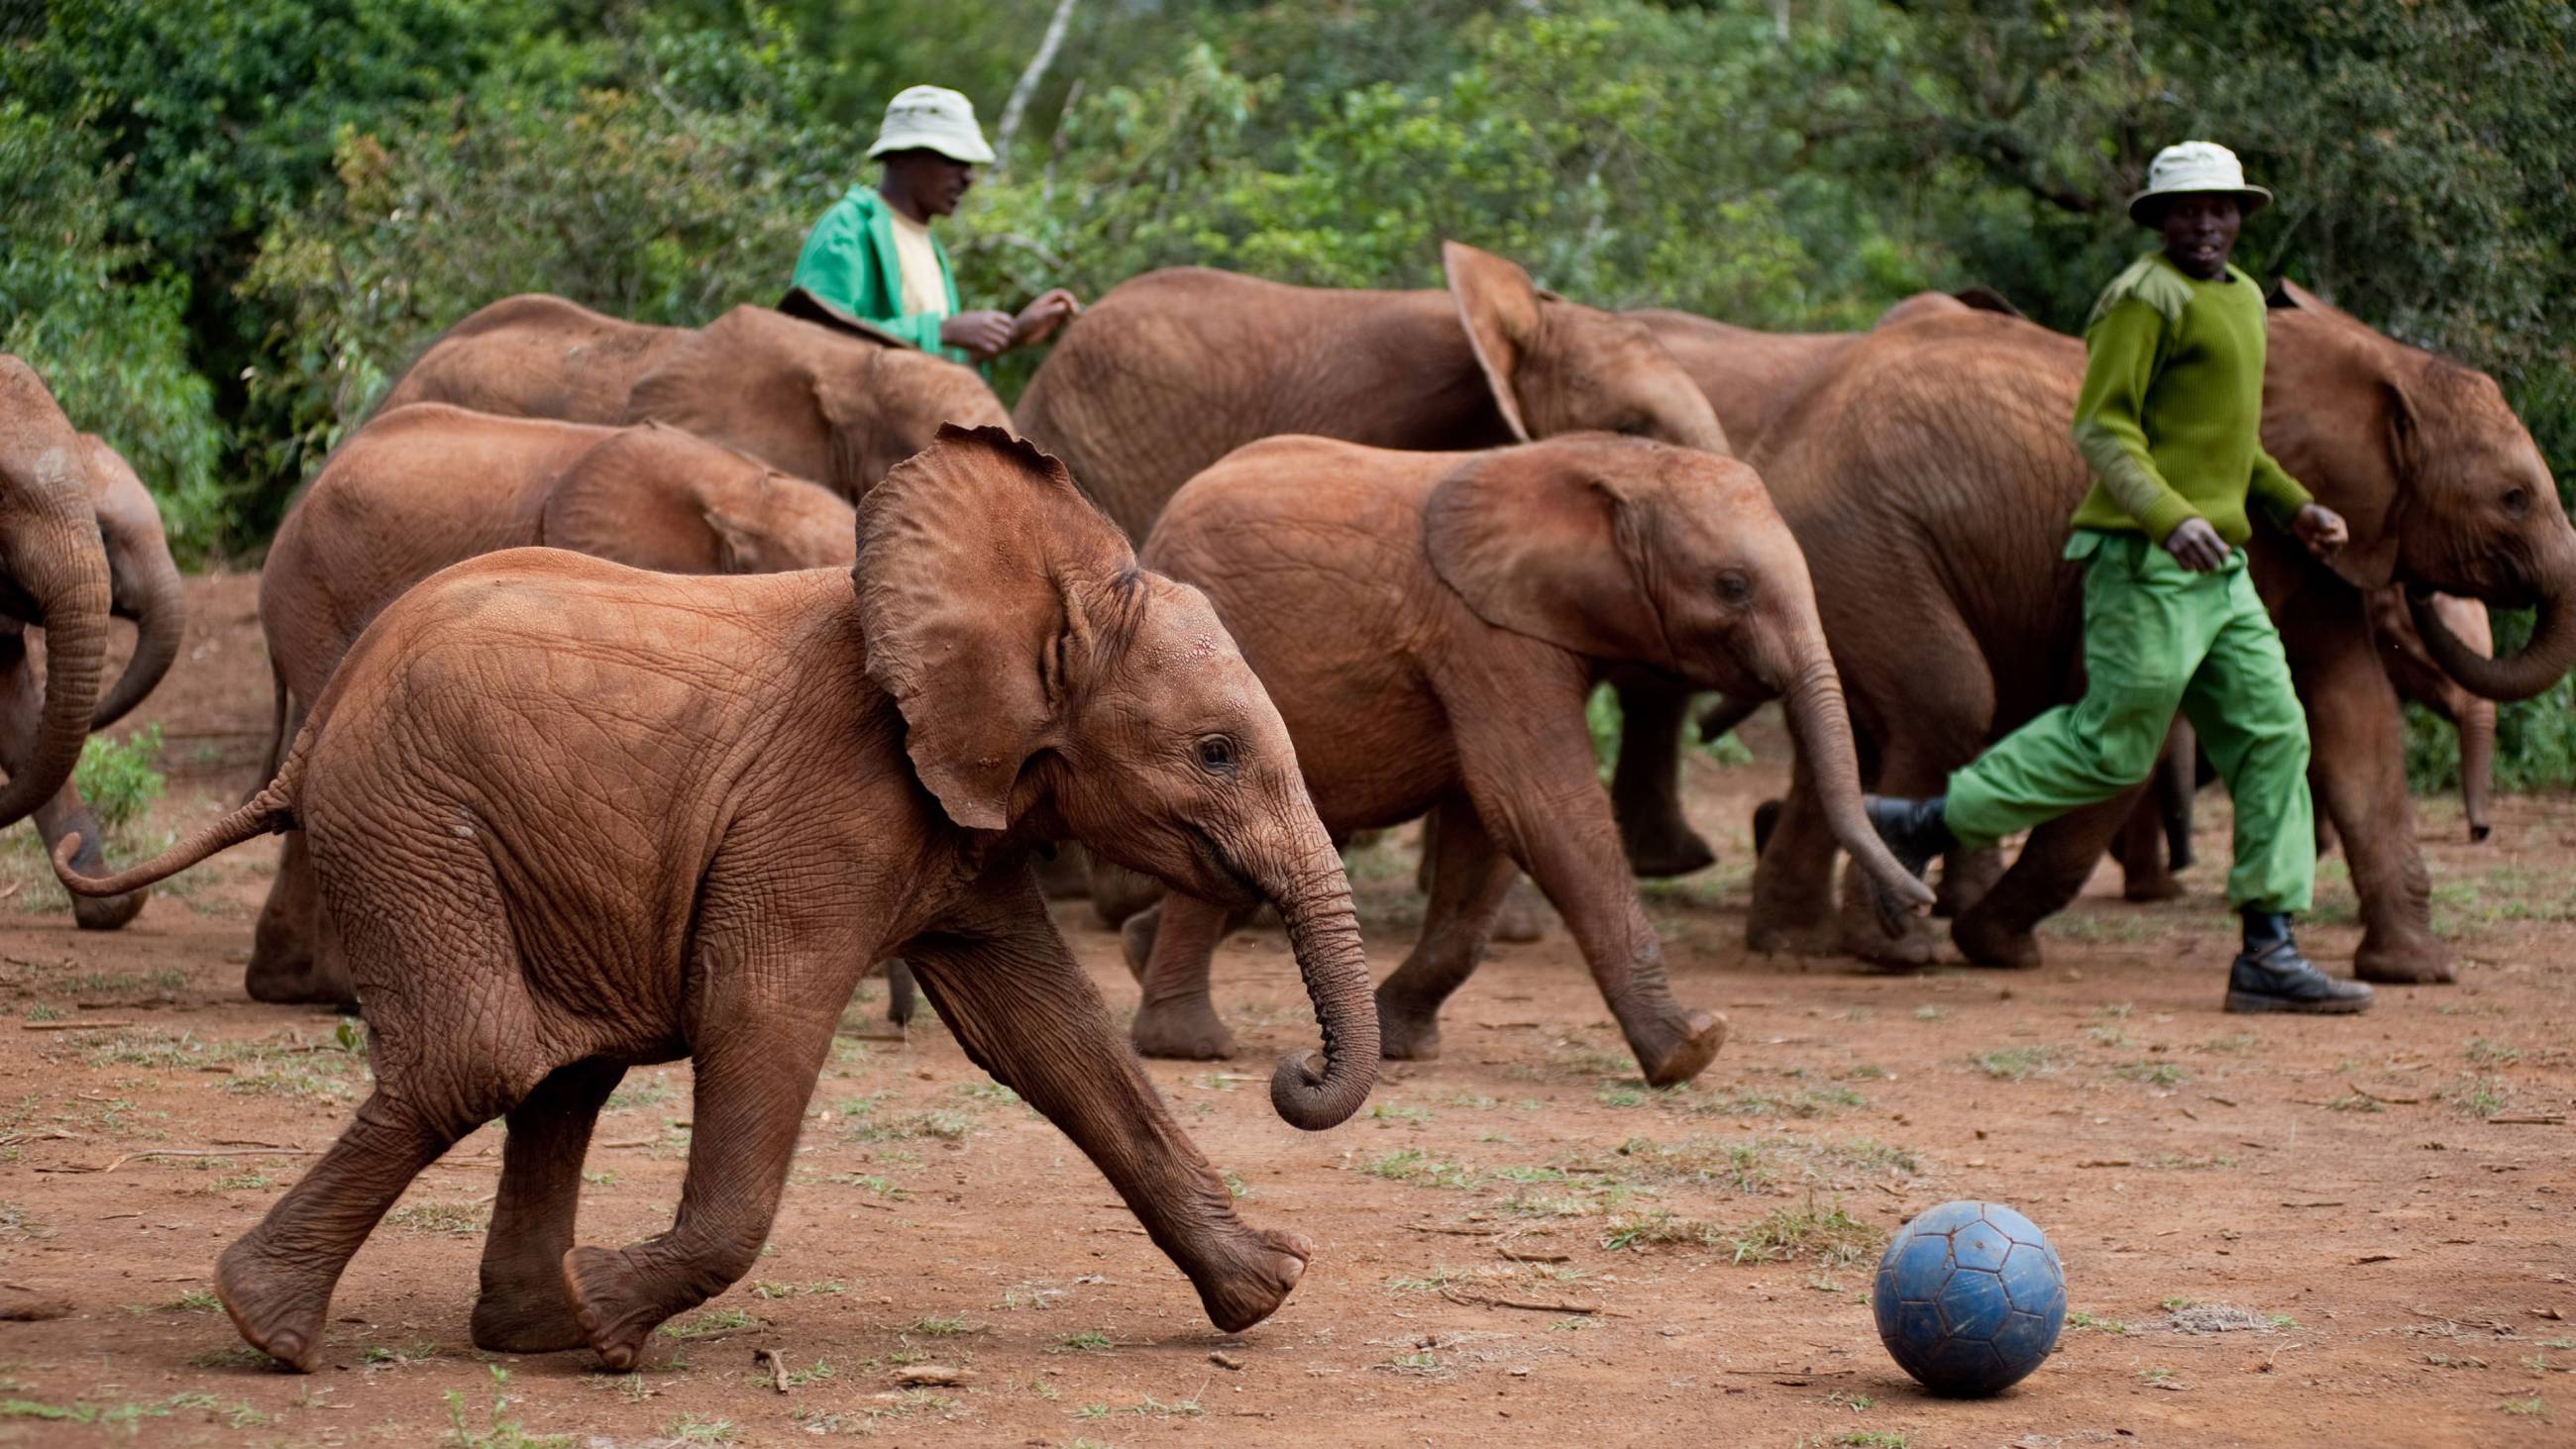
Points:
(932, 118)
(2193, 168)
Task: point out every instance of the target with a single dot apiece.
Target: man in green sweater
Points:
(2169, 418)
(873, 256)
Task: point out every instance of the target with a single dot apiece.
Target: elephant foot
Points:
(614, 1321)
(1524, 917)
(1966, 876)
(1184, 1029)
(1676, 1051)
(2422, 961)
(1812, 938)
(1407, 1031)
(109, 914)
(1986, 941)
(1248, 1283)
(2158, 887)
(1913, 951)
(526, 1317)
(277, 1309)
(1665, 847)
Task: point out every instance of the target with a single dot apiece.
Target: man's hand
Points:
(2196, 546)
(2322, 530)
(1039, 320)
(980, 335)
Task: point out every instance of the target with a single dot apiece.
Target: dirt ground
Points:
(2347, 1231)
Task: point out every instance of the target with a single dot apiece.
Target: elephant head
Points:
(1559, 367)
(1045, 679)
(1673, 558)
(658, 498)
(53, 573)
(2443, 487)
(143, 580)
(815, 402)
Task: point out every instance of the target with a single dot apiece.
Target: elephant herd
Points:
(638, 688)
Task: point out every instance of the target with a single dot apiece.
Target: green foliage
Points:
(116, 778)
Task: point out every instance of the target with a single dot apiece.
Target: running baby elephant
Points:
(570, 817)
(428, 485)
(1430, 624)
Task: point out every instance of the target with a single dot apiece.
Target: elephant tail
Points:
(265, 813)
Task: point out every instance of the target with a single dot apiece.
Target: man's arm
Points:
(2119, 363)
(2279, 494)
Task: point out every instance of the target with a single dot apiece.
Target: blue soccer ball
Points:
(1970, 1297)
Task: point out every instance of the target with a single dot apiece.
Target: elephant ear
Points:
(642, 497)
(979, 577)
(1499, 305)
(1540, 545)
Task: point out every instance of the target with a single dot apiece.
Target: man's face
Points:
(2199, 231)
(936, 183)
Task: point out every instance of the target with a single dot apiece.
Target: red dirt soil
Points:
(1519, 1243)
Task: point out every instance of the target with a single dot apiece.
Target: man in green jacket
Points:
(873, 256)
(2170, 417)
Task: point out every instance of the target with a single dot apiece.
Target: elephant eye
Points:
(2517, 500)
(1216, 752)
(1733, 589)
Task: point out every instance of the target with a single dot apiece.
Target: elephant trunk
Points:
(64, 571)
(161, 620)
(2538, 665)
(1314, 900)
(2477, 764)
(1822, 724)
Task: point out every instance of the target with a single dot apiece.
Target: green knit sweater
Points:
(2172, 408)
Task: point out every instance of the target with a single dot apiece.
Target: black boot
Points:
(1913, 829)
(2271, 975)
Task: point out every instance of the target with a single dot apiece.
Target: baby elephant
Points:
(428, 485)
(1430, 624)
(568, 817)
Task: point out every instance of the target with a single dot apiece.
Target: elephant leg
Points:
(1118, 894)
(1470, 879)
(1966, 876)
(2051, 870)
(1527, 765)
(899, 993)
(2357, 768)
(22, 710)
(276, 1280)
(521, 1307)
(2177, 786)
(2139, 846)
(1176, 1018)
(295, 956)
(1524, 914)
(1025, 1011)
(1793, 876)
(1646, 789)
(755, 1062)
(1066, 874)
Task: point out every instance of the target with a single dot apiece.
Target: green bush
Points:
(116, 778)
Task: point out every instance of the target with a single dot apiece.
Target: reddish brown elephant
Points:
(807, 399)
(80, 542)
(1430, 624)
(427, 485)
(1929, 465)
(1173, 370)
(570, 817)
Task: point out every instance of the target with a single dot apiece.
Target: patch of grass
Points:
(2530, 1408)
(1090, 1340)
(420, 1350)
(14, 1223)
(709, 1323)
(2234, 1046)
(441, 1217)
(232, 1356)
(2481, 1097)
(1873, 1439)
(774, 1290)
(2354, 1102)
(2484, 1053)
(2106, 1036)
(2111, 1326)
(2017, 1064)
(691, 1429)
(650, 1091)
(116, 777)
(1396, 1112)
(1805, 1102)
(1419, 1168)
(1831, 1237)
(2155, 1374)
(2152, 1074)
(498, 1431)
(941, 1327)
(940, 1124)
(1235, 1187)
(126, 1416)
(990, 1093)
(1929, 1013)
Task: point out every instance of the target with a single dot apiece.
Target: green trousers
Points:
(2158, 637)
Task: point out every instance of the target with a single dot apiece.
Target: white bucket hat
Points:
(932, 118)
(2192, 168)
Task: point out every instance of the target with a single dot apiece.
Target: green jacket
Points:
(2171, 413)
(849, 261)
